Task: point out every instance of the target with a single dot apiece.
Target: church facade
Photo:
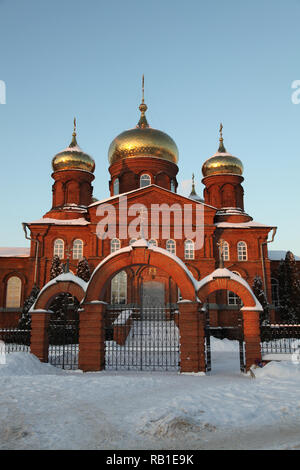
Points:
(203, 233)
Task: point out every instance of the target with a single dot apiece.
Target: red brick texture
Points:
(252, 337)
(39, 335)
(192, 337)
(91, 337)
(139, 256)
(47, 296)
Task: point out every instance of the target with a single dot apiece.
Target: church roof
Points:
(14, 251)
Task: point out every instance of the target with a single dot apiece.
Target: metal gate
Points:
(142, 338)
(221, 332)
(63, 343)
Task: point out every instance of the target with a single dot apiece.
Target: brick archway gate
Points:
(40, 312)
(92, 314)
(223, 279)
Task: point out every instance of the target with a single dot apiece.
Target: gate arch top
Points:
(139, 253)
(66, 282)
(223, 279)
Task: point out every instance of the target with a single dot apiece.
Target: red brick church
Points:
(143, 167)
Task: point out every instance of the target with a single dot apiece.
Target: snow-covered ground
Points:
(42, 407)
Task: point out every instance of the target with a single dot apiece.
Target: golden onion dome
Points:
(222, 162)
(73, 158)
(143, 141)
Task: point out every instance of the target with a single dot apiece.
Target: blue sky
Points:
(204, 62)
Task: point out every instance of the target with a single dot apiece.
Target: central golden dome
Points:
(143, 141)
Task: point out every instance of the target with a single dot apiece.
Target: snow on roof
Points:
(277, 255)
(48, 220)
(224, 272)
(250, 224)
(65, 277)
(16, 251)
(143, 189)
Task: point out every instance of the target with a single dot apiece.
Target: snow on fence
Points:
(15, 339)
(280, 341)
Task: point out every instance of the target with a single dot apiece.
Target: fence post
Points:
(192, 337)
(252, 337)
(91, 336)
(39, 343)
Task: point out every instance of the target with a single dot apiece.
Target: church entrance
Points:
(222, 328)
(153, 294)
(142, 338)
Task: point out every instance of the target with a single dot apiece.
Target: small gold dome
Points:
(143, 141)
(222, 162)
(73, 158)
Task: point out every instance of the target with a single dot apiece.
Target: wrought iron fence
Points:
(280, 339)
(141, 338)
(15, 339)
(63, 343)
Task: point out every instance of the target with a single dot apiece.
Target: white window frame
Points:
(115, 245)
(171, 246)
(152, 242)
(189, 253)
(77, 250)
(13, 292)
(225, 250)
(59, 248)
(116, 186)
(145, 178)
(116, 294)
(232, 298)
(242, 251)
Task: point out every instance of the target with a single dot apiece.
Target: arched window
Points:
(77, 249)
(59, 248)
(172, 185)
(119, 288)
(242, 251)
(115, 245)
(225, 250)
(275, 292)
(152, 242)
(13, 292)
(232, 298)
(133, 240)
(116, 186)
(189, 249)
(145, 180)
(171, 246)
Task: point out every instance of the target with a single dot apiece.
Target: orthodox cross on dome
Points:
(74, 141)
(193, 192)
(221, 258)
(221, 149)
(143, 108)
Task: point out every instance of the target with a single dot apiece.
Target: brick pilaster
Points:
(39, 343)
(91, 337)
(252, 337)
(192, 340)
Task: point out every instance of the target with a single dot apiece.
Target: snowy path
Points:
(45, 408)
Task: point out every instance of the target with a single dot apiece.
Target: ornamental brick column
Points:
(192, 337)
(91, 337)
(39, 342)
(252, 337)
